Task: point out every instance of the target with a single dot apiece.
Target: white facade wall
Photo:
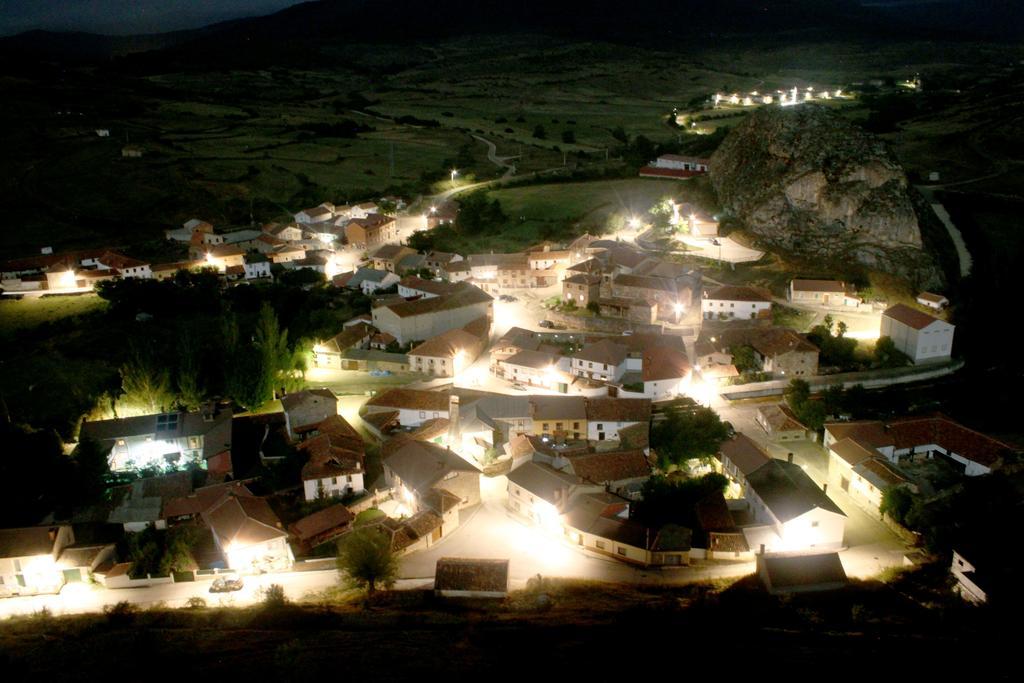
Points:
(257, 270)
(933, 343)
(598, 371)
(427, 325)
(333, 486)
(743, 310)
(601, 431)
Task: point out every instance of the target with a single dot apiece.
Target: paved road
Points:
(727, 249)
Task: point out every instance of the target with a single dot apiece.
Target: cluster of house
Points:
(435, 328)
(784, 97)
(639, 365)
(624, 282)
(309, 242)
(778, 351)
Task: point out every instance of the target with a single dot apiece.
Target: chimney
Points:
(761, 551)
(789, 458)
(824, 488)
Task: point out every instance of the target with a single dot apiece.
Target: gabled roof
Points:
(544, 481)
(783, 573)
(470, 574)
(736, 293)
(852, 451)
(428, 286)
(661, 363)
(558, 407)
(780, 418)
(611, 466)
(746, 455)
(934, 298)
(606, 351)
(465, 295)
(387, 252)
(818, 286)
(880, 473)
(421, 464)
(588, 279)
(911, 317)
(243, 520)
(329, 519)
(411, 399)
(336, 451)
(203, 499)
(538, 360)
(619, 409)
(27, 541)
(787, 491)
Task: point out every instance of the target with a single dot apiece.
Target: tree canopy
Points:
(367, 561)
(687, 431)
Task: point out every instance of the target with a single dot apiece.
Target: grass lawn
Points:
(19, 314)
(590, 203)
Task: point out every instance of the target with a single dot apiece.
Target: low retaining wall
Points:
(869, 379)
(371, 501)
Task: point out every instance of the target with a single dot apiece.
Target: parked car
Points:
(518, 387)
(225, 584)
(508, 297)
(715, 242)
(547, 324)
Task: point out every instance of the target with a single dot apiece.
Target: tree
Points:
(189, 373)
(687, 431)
(887, 355)
(810, 413)
(841, 329)
(666, 501)
(367, 560)
(896, 502)
(539, 132)
(744, 358)
(145, 382)
(619, 133)
(388, 207)
(568, 137)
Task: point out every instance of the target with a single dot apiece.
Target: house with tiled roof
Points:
(334, 460)
(778, 350)
(600, 522)
(793, 513)
(414, 406)
(732, 302)
(331, 352)
(166, 439)
(738, 457)
(372, 230)
(541, 493)
(620, 472)
(423, 318)
(451, 352)
(606, 417)
(821, 293)
(666, 370)
(605, 361)
(780, 423)
(305, 409)
(673, 295)
(931, 300)
(388, 256)
(29, 559)
(581, 288)
(317, 214)
(428, 477)
(249, 535)
(321, 527)
(918, 438)
(412, 286)
(923, 337)
(547, 369)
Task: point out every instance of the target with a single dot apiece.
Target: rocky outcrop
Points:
(806, 180)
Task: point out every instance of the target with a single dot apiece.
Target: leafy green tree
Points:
(539, 132)
(887, 355)
(896, 502)
(478, 215)
(666, 501)
(744, 358)
(568, 137)
(619, 133)
(687, 431)
(798, 397)
(367, 560)
(388, 207)
(145, 382)
(191, 393)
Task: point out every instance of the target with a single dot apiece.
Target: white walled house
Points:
(249, 534)
(681, 163)
(29, 559)
(606, 416)
(603, 361)
(414, 406)
(731, 302)
(256, 267)
(423, 319)
(933, 301)
(796, 515)
(821, 293)
(923, 337)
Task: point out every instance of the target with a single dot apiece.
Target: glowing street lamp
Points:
(454, 173)
(634, 223)
(433, 210)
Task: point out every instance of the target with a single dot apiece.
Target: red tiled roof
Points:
(911, 317)
(611, 466)
(664, 363)
(736, 293)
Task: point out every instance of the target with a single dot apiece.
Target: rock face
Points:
(806, 180)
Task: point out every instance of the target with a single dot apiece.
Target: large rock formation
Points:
(807, 180)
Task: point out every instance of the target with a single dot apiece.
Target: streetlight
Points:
(454, 173)
(634, 223)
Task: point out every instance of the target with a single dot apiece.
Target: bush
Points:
(120, 614)
(273, 596)
(594, 307)
(195, 603)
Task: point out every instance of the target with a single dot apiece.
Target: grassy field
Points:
(18, 314)
(590, 204)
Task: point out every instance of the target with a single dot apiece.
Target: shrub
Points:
(195, 603)
(120, 614)
(594, 307)
(273, 596)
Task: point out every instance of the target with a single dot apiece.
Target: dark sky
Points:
(119, 17)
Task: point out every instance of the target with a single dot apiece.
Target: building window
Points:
(814, 525)
(621, 551)
(546, 426)
(600, 545)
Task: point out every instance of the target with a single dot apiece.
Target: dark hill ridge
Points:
(296, 33)
(807, 180)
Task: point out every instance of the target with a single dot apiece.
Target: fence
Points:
(371, 500)
(869, 379)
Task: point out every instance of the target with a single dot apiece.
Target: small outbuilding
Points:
(461, 577)
(784, 574)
